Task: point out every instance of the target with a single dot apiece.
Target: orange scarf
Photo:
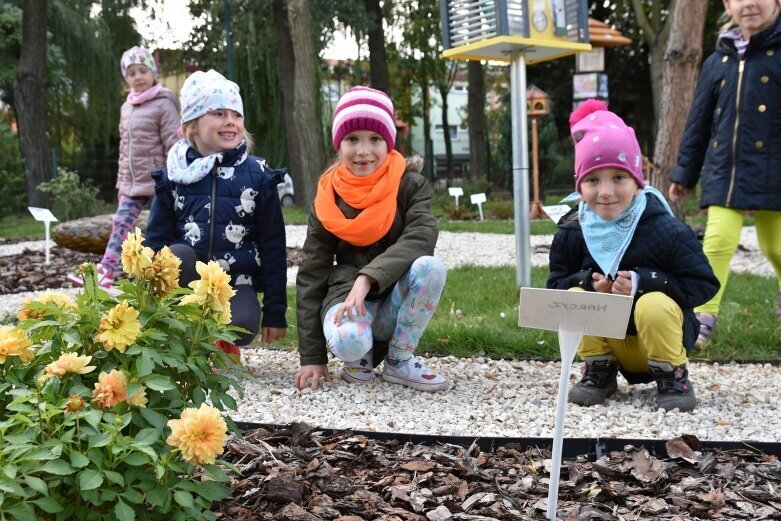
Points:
(375, 195)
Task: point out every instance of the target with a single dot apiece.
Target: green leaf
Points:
(12, 487)
(133, 495)
(148, 436)
(79, 460)
(48, 505)
(212, 490)
(158, 496)
(155, 418)
(37, 484)
(93, 418)
(135, 459)
(230, 402)
(58, 467)
(159, 383)
(9, 471)
(185, 499)
(22, 512)
(90, 479)
(114, 477)
(100, 440)
(198, 396)
(144, 364)
(124, 512)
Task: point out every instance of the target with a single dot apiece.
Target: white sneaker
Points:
(413, 373)
(359, 371)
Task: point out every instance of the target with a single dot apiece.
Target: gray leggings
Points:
(245, 308)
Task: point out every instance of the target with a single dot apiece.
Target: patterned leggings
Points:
(121, 224)
(401, 318)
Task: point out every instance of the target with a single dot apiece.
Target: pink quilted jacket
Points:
(147, 132)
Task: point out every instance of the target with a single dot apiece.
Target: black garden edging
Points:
(592, 448)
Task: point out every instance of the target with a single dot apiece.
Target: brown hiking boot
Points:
(673, 387)
(598, 382)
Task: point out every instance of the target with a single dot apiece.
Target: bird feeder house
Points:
(537, 102)
(496, 29)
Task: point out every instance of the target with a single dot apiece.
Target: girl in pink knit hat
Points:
(623, 239)
(368, 284)
(148, 125)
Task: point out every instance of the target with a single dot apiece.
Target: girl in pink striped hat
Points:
(371, 215)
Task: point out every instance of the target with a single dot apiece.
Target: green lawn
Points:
(488, 325)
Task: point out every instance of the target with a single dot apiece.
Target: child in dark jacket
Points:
(368, 278)
(623, 239)
(215, 202)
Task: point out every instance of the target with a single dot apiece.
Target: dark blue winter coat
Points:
(664, 252)
(732, 138)
(232, 216)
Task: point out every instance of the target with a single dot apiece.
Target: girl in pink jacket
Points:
(148, 126)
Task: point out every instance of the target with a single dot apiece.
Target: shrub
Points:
(500, 209)
(88, 388)
(13, 197)
(72, 197)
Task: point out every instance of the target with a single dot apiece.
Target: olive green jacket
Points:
(330, 265)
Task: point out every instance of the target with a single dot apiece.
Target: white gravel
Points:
(506, 398)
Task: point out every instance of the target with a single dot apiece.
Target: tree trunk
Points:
(286, 65)
(656, 34)
(478, 161)
(30, 101)
(681, 66)
(378, 60)
(446, 131)
(305, 113)
(428, 148)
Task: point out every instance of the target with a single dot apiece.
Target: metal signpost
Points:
(518, 32)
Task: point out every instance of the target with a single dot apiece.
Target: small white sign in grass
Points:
(45, 215)
(478, 199)
(572, 314)
(556, 212)
(456, 191)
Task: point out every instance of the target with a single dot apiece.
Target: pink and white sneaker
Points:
(414, 374)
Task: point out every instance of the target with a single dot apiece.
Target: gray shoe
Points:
(598, 382)
(673, 386)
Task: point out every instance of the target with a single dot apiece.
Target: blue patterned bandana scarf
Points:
(607, 241)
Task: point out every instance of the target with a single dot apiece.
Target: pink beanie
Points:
(603, 140)
(363, 108)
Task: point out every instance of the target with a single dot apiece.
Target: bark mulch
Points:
(28, 271)
(300, 473)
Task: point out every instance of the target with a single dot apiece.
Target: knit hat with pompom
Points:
(364, 108)
(603, 140)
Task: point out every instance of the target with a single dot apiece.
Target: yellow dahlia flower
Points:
(163, 273)
(119, 327)
(61, 300)
(110, 389)
(135, 256)
(200, 434)
(14, 342)
(213, 290)
(69, 363)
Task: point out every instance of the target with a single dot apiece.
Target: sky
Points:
(172, 25)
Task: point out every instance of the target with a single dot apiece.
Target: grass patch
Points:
(748, 328)
(294, 214)
(537, 227)
(22, 226)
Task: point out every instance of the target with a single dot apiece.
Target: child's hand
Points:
(355, 300)
(270, 334)
(601, 284)
(623, 283)
(676, 192)
(314, 372)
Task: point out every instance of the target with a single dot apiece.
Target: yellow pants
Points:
(722, 235)
(659, 322)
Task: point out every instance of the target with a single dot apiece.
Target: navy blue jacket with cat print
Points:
(232, 216)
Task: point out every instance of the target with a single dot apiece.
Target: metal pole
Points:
(523, 275)
(228, 41)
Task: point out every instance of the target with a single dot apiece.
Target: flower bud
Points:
(75, 403)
